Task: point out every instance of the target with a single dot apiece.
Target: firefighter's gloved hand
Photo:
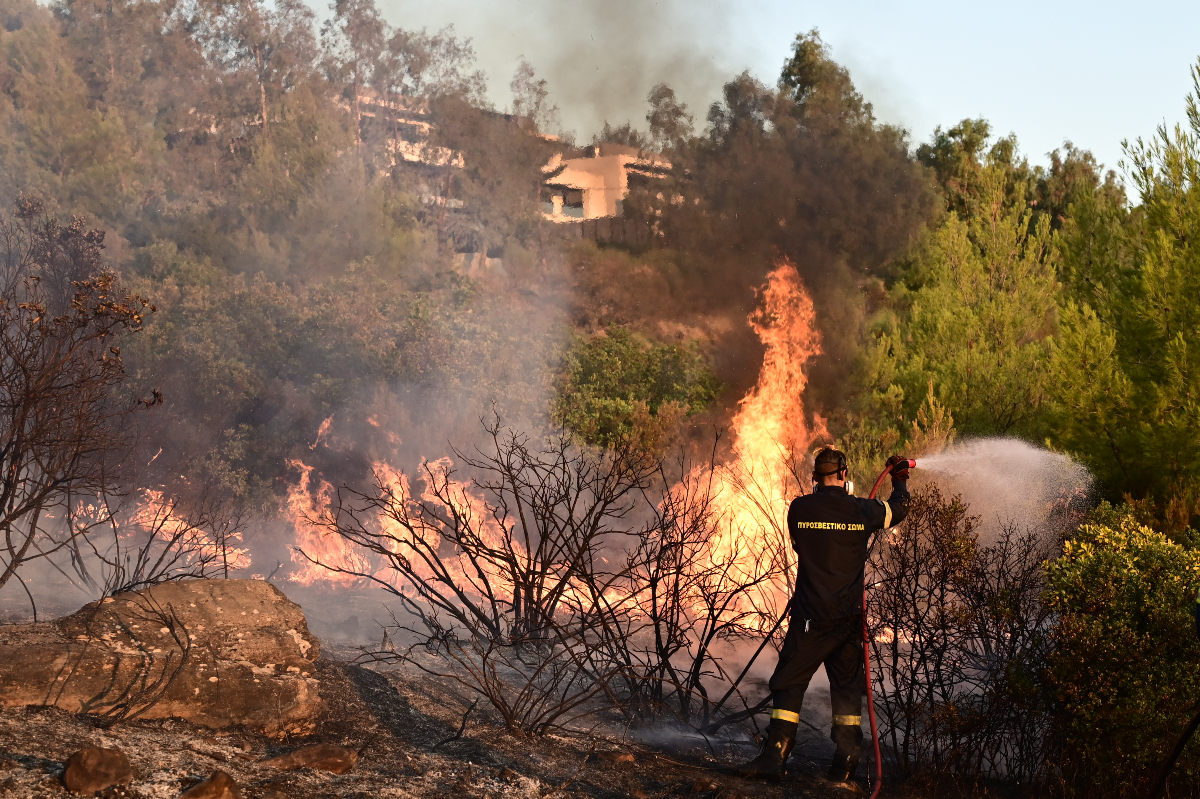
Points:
(899, 465)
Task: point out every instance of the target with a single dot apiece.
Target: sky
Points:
(1093, 73)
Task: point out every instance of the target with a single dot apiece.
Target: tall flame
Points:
(770, 423)
(771, 437)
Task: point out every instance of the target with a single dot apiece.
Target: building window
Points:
(573, 203)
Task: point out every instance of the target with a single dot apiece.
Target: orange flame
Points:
(322, 431)
(155, 514)
(770, 424)
(302, 506)
(456, 501)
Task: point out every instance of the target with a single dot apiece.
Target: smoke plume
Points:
(601, 58)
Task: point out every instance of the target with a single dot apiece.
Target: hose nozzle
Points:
(909, 463)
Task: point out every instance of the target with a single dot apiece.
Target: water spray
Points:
(867, 648)
(1041, 491)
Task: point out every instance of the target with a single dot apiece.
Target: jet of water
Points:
(1006, 481)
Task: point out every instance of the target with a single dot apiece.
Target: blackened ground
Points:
(396, 719)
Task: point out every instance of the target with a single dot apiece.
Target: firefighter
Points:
(830, 531)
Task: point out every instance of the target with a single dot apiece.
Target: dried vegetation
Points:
(554, 576)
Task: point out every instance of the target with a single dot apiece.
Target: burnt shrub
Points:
(1059, 667)
(959, 633)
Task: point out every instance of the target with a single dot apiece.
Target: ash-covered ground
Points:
(398, 720)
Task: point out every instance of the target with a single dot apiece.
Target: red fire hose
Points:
(867, 656)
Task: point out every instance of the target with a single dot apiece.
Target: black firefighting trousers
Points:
(837, 644)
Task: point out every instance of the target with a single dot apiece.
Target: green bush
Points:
(1124, 664)
(617, 387)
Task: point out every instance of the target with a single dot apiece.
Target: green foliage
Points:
(56, 144)
(970, 318)
(869, 441)
(617, 387)
(1127, 366)
(1125, 651)
(819, 86)
(980, 316)
(961, 157)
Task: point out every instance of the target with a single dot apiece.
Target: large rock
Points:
(94, 769)
(249, 662)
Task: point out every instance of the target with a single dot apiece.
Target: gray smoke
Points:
(600, 57)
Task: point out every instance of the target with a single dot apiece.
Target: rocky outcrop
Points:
(213, 652)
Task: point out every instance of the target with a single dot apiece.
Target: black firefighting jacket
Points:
(830, 531)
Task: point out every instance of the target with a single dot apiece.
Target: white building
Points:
(594, 187)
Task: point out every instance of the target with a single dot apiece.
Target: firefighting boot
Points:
(771, 762)
(841, 773)
(847, 733)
